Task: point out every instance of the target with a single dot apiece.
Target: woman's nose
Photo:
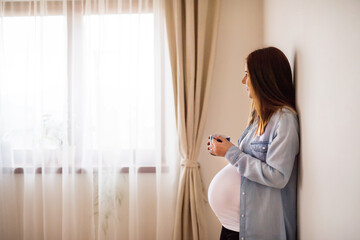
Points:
(243, 81)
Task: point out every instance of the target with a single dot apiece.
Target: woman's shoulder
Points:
(287, 116)
(286, 112)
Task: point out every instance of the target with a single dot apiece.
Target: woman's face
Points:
(246, 80)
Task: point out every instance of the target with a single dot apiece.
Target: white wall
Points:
(325, 38)
(240, 32)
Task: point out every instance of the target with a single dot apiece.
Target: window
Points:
(78, 83)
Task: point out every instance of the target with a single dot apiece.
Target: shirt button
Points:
(263, 148)
(242, 238)
(242, 215)
(243, 193)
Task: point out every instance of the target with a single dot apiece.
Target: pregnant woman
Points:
(254, 196)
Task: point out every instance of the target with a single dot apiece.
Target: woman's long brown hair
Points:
(270, 76)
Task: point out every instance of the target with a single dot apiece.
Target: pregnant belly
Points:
(224, 197)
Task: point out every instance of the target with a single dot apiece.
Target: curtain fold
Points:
(192, 30)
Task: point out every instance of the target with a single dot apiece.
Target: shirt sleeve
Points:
(282, 152)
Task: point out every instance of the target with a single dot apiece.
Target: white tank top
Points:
(224, 197)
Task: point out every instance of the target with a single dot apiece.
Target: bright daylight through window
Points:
(105, 101)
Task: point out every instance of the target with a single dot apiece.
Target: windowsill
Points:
(95, 170)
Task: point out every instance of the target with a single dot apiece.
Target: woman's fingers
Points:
(217, 145)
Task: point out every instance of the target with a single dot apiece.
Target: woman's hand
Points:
(219, 148)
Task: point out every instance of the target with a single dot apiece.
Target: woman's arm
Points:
(280, 157)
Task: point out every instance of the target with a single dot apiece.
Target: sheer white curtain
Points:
(87, 132)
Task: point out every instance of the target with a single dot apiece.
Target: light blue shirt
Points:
(268, 168)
